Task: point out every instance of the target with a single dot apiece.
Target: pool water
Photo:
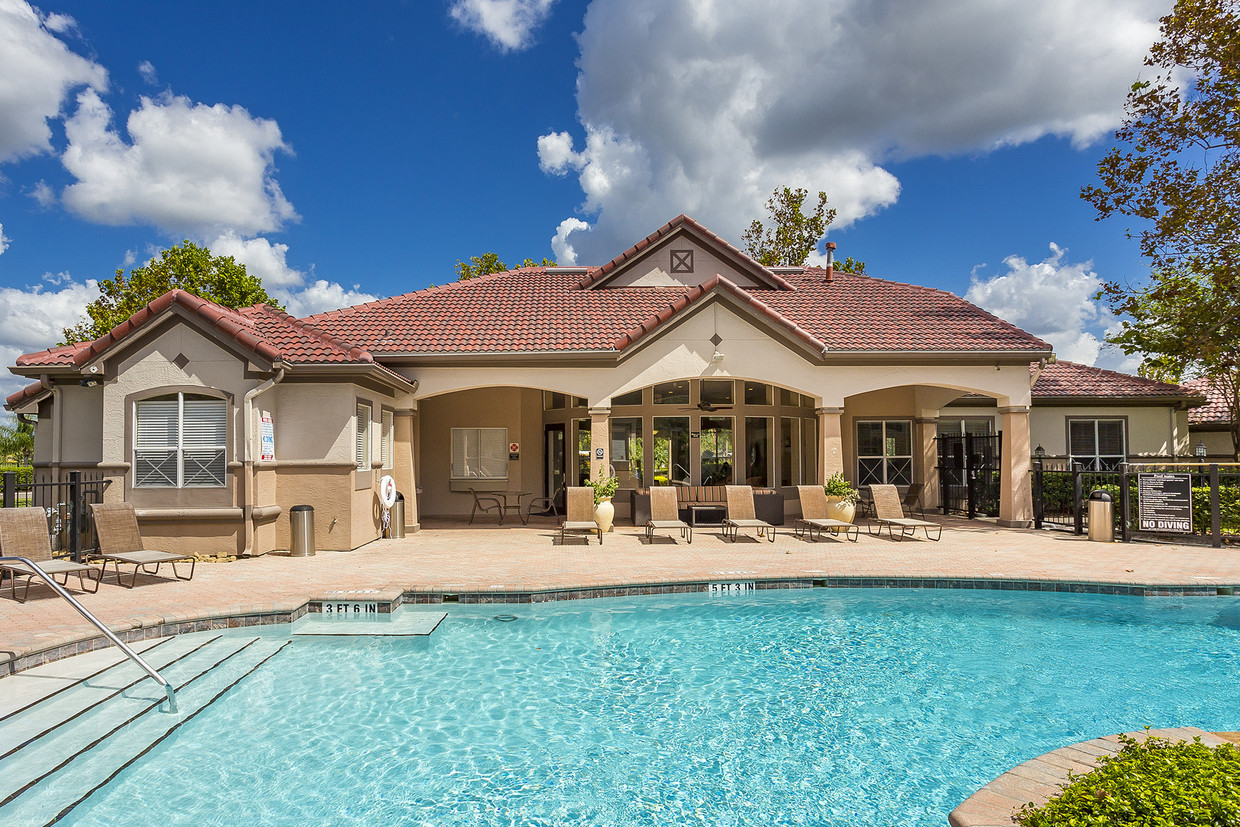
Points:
(804, 707)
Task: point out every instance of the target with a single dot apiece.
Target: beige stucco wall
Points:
(517, 409)
(1152, 431)
(1217, 442)
(655, 269)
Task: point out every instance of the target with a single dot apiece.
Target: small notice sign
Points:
(267, 438)
(739, 587)
(514, 451)
(1165, 503)
(350, 610)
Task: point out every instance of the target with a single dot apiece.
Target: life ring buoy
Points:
(387, 491)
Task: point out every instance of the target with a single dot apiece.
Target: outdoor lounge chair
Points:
(546, 504)
(913, 499)
(23, 533)
(814, 517)
(579, 513)
(665, 513)
(887, 511)
(486, 504)
(741, 514)
(116, 526)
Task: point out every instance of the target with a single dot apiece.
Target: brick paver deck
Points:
(451, 558)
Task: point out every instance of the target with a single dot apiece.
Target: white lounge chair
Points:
(741, 514)
(888, 512)
(814, 510)
(665, 513)
(579, 513)
(116, 526)
(23, 533)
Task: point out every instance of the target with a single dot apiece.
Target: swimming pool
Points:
(824, 707)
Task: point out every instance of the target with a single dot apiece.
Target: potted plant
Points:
(604, 511)
(841, 498)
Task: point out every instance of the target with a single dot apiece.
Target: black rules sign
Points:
(1165, 503)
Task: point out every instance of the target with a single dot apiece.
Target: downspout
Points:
(247, 458)
(57, 422)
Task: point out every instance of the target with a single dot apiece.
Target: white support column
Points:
(600, 440)
(830, 442)
(404, 460)
(926, 429)
(1015, 487)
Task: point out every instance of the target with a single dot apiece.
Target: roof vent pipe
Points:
(830, 260)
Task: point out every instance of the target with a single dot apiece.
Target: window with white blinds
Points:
(480, 453)
(180, 441)
(1098, 444)
(385, 435)
(363, 437)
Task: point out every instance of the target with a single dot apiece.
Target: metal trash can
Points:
(396, 526)
(1101, 516)
(302, 519)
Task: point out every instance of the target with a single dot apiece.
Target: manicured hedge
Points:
(1057, 500)
(1153, 783)
(25, 474)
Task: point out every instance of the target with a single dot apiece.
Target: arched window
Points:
(180, 441)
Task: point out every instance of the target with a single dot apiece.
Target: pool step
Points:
(76, 740)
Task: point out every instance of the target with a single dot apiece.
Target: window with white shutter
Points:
(385, 435)
(363, 437)
(180, 441)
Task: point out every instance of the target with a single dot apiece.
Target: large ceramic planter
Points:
(837, 509)
(604, 514)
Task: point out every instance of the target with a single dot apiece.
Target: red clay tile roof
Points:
(535, 310)
(1071, 380)
(270, 333)
(25, 394)
(1215, 410)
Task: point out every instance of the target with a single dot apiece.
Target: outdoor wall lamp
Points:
(1039, 452)
(1199, 450)
(90, 381)
(716, 358)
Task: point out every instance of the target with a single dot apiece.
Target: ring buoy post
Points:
(387, 498)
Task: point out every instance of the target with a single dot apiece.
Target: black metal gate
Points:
(969, 474)
(64, 502)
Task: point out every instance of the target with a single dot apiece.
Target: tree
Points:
(1177, 173)
(851, 265)
(17, 443)
(488, 263)
(186, 266)
(793, 235)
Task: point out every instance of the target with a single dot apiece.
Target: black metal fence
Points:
(1061, 492)
(969, 474)
(65, 502)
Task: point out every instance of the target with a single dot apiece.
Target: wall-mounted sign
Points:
(1165, 503)
(267, 440)
(514, 450)
(598, 453)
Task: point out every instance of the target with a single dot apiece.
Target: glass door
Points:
(553, 449)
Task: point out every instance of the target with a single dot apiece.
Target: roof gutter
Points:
(247, 457)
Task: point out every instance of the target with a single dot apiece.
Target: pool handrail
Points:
(82, 610)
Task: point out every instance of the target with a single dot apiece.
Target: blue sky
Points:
(346, 152)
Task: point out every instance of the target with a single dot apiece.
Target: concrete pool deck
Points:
(524, 563)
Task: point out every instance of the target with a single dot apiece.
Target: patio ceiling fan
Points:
(707, 407)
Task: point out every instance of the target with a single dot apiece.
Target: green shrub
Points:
(1153, 783)
(25, 474)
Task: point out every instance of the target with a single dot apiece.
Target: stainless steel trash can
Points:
(1101, 516)
(302, 519)
(396, 529)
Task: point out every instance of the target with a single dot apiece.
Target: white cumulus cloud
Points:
(561, 248)
(705, 107)
(4, 240)
(320, 296)
(1054, 300)
(188, 169)
(37, 72)
(147, 70)
(508, 24)
(261, 258)
(32, 319)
